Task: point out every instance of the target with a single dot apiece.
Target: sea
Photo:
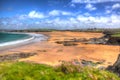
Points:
(6, 37)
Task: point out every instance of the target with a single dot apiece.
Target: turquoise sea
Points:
(9, 37)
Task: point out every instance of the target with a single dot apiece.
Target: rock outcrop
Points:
(101, 40)
(115, 67)
(114, 41)
(15, 56)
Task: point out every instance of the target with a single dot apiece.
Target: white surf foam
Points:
(34, 37)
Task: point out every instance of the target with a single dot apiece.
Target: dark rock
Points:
(66, 43)
(97, 40)
(69, 44)
(108, 33)
(88, 63)
(79, 40)
(114, 41)
(59, 42)
(91, 63)
(101, 68)
(15, 56)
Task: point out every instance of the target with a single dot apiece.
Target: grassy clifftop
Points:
(32, 71)
(116, 35)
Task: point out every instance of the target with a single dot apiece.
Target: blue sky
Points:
(59, 14)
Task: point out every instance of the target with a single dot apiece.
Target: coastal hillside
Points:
(66, 71)
(90, 57)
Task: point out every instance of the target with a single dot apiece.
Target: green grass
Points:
(117, 34)
(67, 71)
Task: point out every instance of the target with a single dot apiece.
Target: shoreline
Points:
(14, 44)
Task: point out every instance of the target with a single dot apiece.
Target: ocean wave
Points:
(33, 38)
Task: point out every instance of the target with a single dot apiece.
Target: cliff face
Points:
(115, 67)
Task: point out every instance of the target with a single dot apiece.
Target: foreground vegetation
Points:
(67, 71)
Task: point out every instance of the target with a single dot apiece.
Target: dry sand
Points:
(49, 52)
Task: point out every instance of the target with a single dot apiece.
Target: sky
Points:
(59, 14)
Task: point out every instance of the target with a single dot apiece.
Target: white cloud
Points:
(66, 13)
(37, 22)
(82, 18)
(108, 11)
(93, 1)
(76, 1)
(59, 12)
(79, 22)
(115, 6)
(90, 7)
(34, 14)
(87, 14)
(72, 5)
(54, 13)
(22, 17)
(113, 19)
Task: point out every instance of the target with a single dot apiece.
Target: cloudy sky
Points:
(59, 14)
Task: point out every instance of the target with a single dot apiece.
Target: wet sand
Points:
(49, 52)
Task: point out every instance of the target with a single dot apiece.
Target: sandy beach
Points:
(49, 52)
